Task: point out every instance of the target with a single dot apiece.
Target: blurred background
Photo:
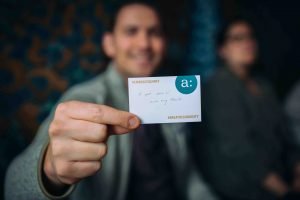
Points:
(48, 46)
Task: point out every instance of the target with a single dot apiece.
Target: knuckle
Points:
(103, 129)
(103, 151)
(63, 169)
(97, 166)
(61, 107)
(100, 136)
(101, 133)
(94, 167)
(57, 147)
(98, 113)
(54, 129)
(69, 181)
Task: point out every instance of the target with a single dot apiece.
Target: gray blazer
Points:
(23, 179)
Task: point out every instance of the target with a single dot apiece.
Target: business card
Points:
(166, 99)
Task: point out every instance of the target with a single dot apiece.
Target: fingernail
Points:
(133, 122)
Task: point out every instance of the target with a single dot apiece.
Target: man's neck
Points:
(240, 70)
(123, 75)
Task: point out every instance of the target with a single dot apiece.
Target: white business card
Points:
(168, 99)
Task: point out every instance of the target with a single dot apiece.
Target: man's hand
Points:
(78, 135)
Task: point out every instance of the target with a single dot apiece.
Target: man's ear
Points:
(107, 44)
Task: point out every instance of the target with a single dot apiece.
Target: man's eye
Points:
(155, 32)
(130, 31)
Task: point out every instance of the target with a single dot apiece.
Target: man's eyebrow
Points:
(137, 26)
(155, 26)
(131, 25)
(141, 24)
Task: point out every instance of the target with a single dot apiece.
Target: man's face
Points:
(136, 44)
(240, 47)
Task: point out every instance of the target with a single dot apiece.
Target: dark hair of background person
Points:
(222, 36)
(227, 25)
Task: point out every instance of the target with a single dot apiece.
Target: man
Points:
(83, 141)
(247, 152)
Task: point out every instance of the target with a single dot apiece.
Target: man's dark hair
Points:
(113, 18)
(223, 36)
(116, 11)
(223, 32)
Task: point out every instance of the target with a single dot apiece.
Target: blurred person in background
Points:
(246, 152)
(84, 140)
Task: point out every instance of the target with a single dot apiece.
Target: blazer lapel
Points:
(117, 97)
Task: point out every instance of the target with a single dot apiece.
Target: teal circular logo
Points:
(186, 84)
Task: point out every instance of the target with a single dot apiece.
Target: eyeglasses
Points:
(240, 37)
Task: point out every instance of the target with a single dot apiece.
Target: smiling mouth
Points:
(143, 58)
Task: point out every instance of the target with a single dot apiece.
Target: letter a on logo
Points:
(184, 83)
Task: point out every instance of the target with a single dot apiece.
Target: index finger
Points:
(101, 114)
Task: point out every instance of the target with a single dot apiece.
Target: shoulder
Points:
(263, 82)
(87, 91)
(223, 81)
(222, 74)
(266, 86)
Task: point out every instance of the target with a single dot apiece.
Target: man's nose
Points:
(143, 41)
